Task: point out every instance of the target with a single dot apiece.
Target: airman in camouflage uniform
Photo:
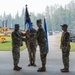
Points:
(65, 46)
(41, 35)
(31, 45)
(16, 44)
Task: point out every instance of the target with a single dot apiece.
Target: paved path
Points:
(53, 43)
(54, 63)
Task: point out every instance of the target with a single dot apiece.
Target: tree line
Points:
(55, 16)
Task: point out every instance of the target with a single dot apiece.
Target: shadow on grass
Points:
(6, 42)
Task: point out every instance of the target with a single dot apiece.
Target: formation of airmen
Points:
(34, 38)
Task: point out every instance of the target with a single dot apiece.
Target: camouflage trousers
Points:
(65, 56)
(32, 53)
(43, 53)
(16, 55)
(32, 56)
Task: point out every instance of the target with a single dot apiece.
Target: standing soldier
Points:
(16, 44)
(65, 46)
(31, 45)
(41, 35)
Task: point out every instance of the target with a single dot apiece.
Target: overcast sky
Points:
(37, 6)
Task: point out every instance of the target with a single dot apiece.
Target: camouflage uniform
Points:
(42, 44)
(16, 43)
(31, 44)
(65, 46)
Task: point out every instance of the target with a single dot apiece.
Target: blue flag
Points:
(45, 28)
(27, 18)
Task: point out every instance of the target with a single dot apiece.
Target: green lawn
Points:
(7, 45)
(72, 44)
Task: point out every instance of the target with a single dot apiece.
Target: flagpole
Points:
(25, 19)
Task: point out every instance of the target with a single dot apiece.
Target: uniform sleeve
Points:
(41, 33)
(15, 36)
(67, 38)
(33, 34)
(27, 34)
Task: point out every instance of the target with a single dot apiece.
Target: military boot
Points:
(42, 69)
(16, 68)
(65, 70)
(19, 67)
(30, 64)
(34, 64)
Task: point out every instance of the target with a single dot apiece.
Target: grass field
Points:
(72, 46)
(71, 43)
(7, 45)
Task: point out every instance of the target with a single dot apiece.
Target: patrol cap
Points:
(39, 20)
(64, 25)
(16, 25)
